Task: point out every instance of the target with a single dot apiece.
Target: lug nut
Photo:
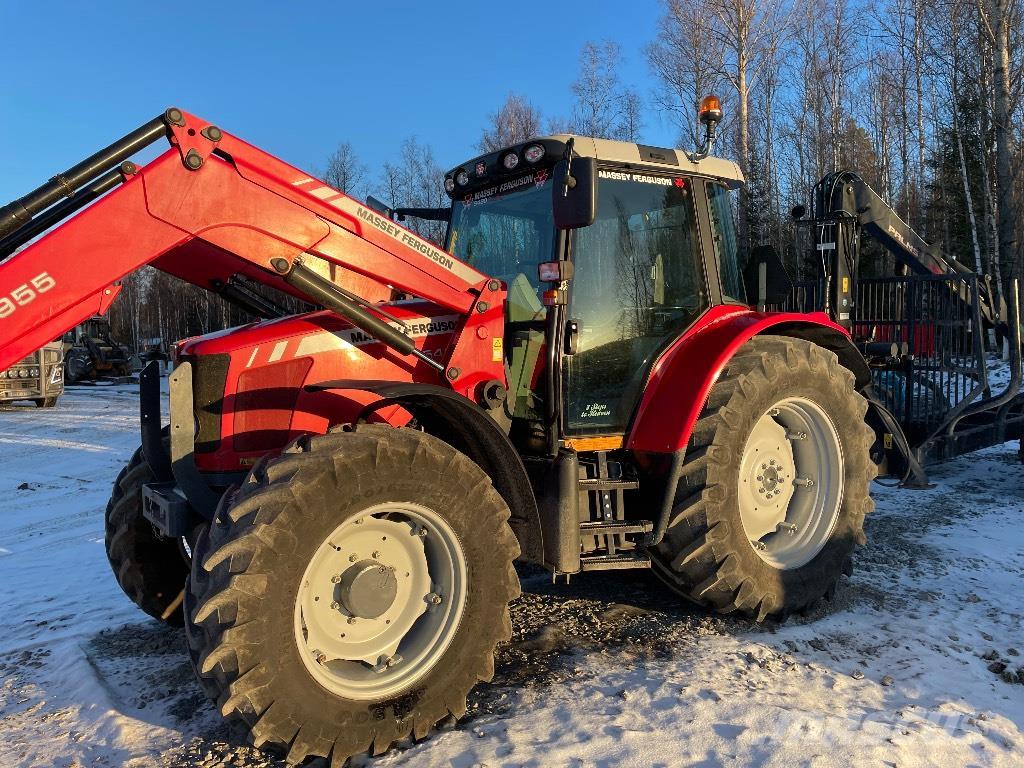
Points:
(335, 605)
(351, 619)
(434, 599)
(804, 482)
(353, 558)
(375, 555)
(758, 545)
(335, 579)
(422, 532)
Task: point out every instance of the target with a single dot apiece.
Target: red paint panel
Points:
(264, 402)
(331, 349)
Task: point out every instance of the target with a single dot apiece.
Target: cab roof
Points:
(487, 169)
(652, 158)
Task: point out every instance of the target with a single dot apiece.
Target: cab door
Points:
(638, 283)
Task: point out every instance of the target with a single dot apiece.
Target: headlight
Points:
(462, 178)
(35, 371)
(449, 184)
(533, 153)
(23, 373)
(510, 161)
(3, 374)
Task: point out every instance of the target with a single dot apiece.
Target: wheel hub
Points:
(766, 476)
(368, 589)
(790, 483)
(380, 600)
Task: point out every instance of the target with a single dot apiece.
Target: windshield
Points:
(504, 231)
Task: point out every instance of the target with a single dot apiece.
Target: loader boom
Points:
(213, 207)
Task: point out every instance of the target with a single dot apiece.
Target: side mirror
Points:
(574, 192)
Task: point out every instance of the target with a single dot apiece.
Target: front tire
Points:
(150, 568)
(318, 557)
(775, 484)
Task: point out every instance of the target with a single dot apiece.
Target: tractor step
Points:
(606, 484)
(609, 541)
(615, 527)
(619, 561)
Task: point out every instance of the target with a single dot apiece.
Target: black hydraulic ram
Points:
(329, 295)
(18, 214)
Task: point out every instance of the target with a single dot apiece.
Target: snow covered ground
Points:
(919, 660)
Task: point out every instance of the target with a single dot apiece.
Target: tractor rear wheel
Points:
(775, 483)
(352, 592)
(150, 568)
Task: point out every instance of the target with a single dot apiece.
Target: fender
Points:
(681, 379)
(468, 428)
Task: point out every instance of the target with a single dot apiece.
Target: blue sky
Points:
(294, 78)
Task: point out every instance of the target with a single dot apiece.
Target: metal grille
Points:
(945, 365)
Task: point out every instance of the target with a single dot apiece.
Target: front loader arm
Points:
(213, 206)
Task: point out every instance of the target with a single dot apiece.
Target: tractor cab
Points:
(610, 250)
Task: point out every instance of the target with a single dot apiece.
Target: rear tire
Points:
(151, 569)
(722, 548)
(78, 367)
(253, 648)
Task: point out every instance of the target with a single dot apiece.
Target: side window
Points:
(721, 208)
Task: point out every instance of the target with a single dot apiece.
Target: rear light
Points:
(449, 184)
(533, 153)
(553, 297)
(510, 161)
(462, 178)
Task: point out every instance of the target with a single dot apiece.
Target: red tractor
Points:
(577, 379)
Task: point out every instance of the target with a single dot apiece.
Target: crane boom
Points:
(844, 206)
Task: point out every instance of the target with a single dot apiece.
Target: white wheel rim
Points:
(401, 559)
(791, 483)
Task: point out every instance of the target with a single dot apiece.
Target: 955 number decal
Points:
(25, 294)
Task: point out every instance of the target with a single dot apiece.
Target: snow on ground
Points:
(918, 661)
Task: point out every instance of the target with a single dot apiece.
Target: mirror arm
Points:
(569, 182)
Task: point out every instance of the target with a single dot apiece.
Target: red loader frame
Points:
(213, 206)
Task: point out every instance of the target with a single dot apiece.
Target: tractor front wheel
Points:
(775, 483)
(352, 592)
(150, 568)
